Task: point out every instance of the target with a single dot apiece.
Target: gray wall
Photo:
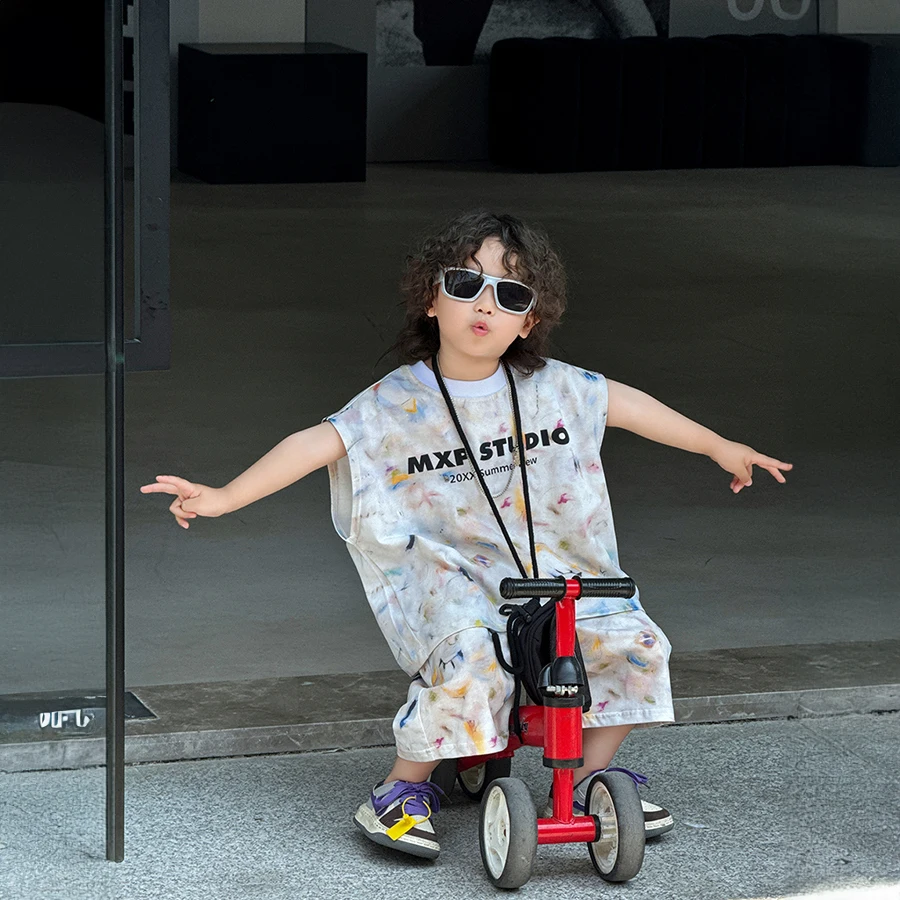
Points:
(702, 18)
(271, 20)
(868, 16)
(414, 112)
(859, 16)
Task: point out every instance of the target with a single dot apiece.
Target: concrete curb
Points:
(219, 743)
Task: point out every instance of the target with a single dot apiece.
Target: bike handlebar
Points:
(555, 588)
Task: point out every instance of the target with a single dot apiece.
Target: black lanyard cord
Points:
(520, 434)
(521, 446)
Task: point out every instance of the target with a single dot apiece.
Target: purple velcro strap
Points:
(638, 779)
(416, 794)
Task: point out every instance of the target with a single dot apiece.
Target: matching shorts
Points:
(461, 700)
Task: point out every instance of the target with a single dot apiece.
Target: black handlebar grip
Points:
(515, 588)
(608, 587)
(555, 588)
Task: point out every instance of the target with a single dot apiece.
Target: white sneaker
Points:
(657, 819)
(398, 815)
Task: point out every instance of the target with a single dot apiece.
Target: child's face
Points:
(476, 334)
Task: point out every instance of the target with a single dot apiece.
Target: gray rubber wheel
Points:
(508, 833)
(474, 781)
(444, 776)
(618, 852)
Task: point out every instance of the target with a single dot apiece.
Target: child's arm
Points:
(289, 461)
(640, 413)
(294, 458)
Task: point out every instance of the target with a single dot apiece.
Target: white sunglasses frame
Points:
(492, 280)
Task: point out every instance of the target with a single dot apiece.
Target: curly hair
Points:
(527, 254)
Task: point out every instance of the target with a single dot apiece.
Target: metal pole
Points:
(115, 439)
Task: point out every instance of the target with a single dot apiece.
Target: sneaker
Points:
(398, 815)
(657, 819)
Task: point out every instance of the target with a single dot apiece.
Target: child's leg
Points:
(452, 706)
(458, 706)
(599, 748)
(626, 657)
(404, 770)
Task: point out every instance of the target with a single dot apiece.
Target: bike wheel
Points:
(508, 834)
(444, 776)
(474, 781)
(618, 852)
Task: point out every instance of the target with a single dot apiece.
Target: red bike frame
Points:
(558, 731)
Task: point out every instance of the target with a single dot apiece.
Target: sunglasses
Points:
(467, 284)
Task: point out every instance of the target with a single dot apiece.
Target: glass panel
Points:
(52, 171)
(51, 234)
(52, 430)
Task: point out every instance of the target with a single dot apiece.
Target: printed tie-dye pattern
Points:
(428, 550)
(431, 556)
(461, 700)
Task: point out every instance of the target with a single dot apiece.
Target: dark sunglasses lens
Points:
(462, 285)
(514, 297)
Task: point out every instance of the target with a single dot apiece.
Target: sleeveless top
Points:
(418, 527)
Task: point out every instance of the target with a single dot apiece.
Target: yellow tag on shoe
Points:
(400, 827)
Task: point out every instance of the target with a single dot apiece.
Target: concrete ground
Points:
(764, 809)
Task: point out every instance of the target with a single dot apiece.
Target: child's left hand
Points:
(739, 459)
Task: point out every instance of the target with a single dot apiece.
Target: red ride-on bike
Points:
(510, 831)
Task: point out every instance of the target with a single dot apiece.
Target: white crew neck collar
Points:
(481, 388)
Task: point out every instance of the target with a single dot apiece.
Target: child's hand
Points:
(191, 500)
(739, 459)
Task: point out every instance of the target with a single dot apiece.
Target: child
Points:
(437, 502)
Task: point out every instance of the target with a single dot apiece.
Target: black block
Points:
(724, 104)
(558, 105)
(881, 125)
(765, 141)
(515, 76)
(685, 85)
(643, 102)
(600, 131)
(271, 113)
(808, 80)
(534, 103)
(849, 62)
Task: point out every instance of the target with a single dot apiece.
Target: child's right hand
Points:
(191, 499)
